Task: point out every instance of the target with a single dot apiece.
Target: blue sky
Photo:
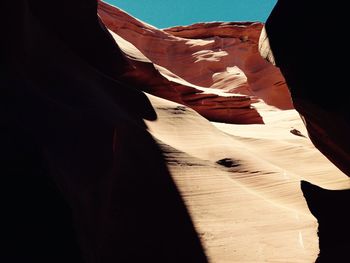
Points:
(167, 13)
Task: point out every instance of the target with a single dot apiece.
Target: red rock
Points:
(221, 56)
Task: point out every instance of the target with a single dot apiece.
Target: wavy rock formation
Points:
(95, 169)
(202, 60)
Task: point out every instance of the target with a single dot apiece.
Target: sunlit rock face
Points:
(215, 68)
(309, 59)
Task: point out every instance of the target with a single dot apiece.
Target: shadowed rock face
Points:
(76, 185)
(309, 58)
(330, 207)
(307, 49)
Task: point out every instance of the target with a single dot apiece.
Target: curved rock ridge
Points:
(213, 104)
(185, 64)
(241, 30)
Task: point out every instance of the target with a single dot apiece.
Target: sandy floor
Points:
(253, 210)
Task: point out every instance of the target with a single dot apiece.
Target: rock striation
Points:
(215, 68)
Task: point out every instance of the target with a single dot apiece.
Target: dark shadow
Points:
(308, 49)
(36, 220)
(331, 209)
(82, 180)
